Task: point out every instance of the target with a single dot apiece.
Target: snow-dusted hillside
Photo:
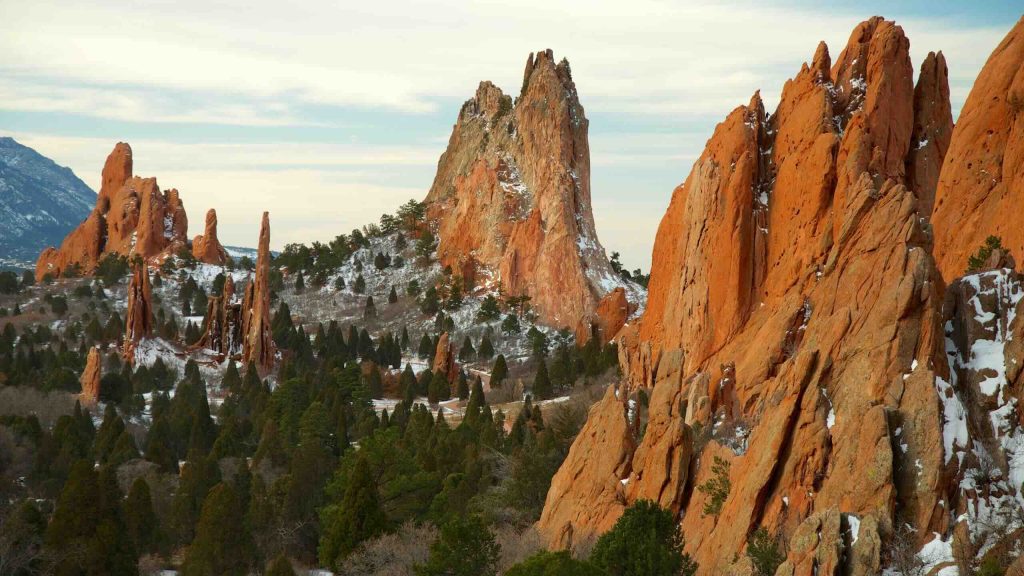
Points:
(40, 202)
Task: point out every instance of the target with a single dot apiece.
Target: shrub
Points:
(546, 563)
(977, 260)
(717, 487)
(764, 553)
(646, 540)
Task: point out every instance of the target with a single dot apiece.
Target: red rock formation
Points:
(793, 322)
(257, 342)
(611, 315)
(91, 378)
(512, 195)
(206, 247)
(444, 358)
(139, 316)
(223, 322)
(132, 217)
(933, 127)
(981, 186)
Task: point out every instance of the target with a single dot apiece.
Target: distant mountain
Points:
(40, 202)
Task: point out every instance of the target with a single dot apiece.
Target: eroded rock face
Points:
(794, 325)
(139, 315)
(223, 322)
(90, 378)
(611, 315)
(132, 217)
(981, 185)
(444, 358)
(511, 197)
(257, 342)
(206, 247)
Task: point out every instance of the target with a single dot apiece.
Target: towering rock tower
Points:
(257, 342)
(139, 316)
(511, 197)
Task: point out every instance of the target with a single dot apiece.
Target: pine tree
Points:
(392, 296)
(357, 517)
(430, 303)
(467, 352)
(404, 343)
(159, 449)
(426, 348)
(222, 544)
(300, 283)
(465, 547)
(140, 517)
(486, 351)
(462, 386)
(407, 380)
(499, 372)
(360, 285)
(439, 388)
(645, 540)
(542, 389)
(370, 311)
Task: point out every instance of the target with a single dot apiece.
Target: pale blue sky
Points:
(330, 113)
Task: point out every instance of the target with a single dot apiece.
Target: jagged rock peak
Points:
(511, 197)
(792, 295)
(206, 247)
(139, 314)
(981, 185)
(132, 217)
(257, 342)
(933, 128)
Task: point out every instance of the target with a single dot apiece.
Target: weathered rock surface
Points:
(90, 378)
(206, 247)
(511, 197)
(794, 323)
(444, 358)
(612, 312)
(223, 322)
(132, 217)
(981, 185)
(257, 342)
(139, 315)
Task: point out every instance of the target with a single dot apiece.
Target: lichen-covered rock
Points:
(512, 196)
(981, 185)
(139, 315)
(132, 217)
(257, 341)
(90, 378)
(206, 247)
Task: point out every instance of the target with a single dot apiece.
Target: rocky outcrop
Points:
(981, 185)
(793, 331)
(444, 358)
(139, 315)
(605, 322)
(257, 342)
(90, 378)
(223, 322)
(511, 197)
(132, 217)
(206, 247)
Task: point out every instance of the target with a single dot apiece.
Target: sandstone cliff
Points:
(793, 331)
(981, 186)
(511, 197)
(257, 343)
(132, 217)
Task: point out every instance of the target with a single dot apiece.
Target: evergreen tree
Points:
(499, 372)
(430, 303)
(370, 311)
(486, 351)
(462, 386)
(545, 563)
(392, 296)
(300, 283)
(489, 310)
(465, 547)
(467, 352)
(404, 343)
(140, 517)
(407, 380)
(356, 518)
(439, 388)
(360, 285)
(222, 544)
(159, 447)
(645, 540)
(542, 382)
(426, 348)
